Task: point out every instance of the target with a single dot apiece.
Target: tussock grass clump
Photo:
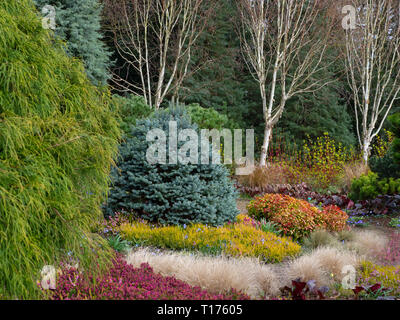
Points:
(352, 170)
(345, 235)
(306, 268)
(214, 274)
(323, 265)
(320, 238)
(368, 243)
(262, 177)
(58, 138)
(219, 274)
(333, 260)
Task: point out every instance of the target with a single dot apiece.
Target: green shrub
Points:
(131, 108)
(118, 244)
(58, 138)
(168, 193)
(394, 121)
(208, 118)
(394, 223)
(370, 186)
(385, 166)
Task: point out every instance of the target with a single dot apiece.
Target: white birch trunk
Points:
(264, 149)
(366, 149)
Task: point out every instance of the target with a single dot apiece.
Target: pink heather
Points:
(124, 282)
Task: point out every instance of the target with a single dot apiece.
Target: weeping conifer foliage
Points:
(58, 139)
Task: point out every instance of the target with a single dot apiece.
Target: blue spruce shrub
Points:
(169, 193)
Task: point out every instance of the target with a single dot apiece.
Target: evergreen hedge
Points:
(389, 165)
(169, 193)
(131, 108)
(78, 23)
(58, 138)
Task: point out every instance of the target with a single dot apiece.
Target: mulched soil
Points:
(380, 222)
(242, 204)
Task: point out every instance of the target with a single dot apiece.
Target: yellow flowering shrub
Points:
(381, 145)
(241, 238)
(319, 164)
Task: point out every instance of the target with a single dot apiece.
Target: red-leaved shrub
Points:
(333, 218)
(124, 282)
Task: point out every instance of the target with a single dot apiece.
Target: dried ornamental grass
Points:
(214, 274)
(324, 265)
(263, 177)
(352, 170)
(320, 238)
(368, 243)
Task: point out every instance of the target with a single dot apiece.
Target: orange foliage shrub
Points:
(296, 218)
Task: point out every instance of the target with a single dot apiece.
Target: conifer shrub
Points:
(78, 23)
(395, 128)
(131, 108)
(169, 193)
(208, 118)
(385, 166)
(386, 161)
(58, 138)
(370, 187)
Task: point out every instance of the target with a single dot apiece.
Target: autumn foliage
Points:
(296, 218)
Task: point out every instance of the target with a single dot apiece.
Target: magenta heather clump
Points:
(110, 225)
(124, 282)
(391, 254)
